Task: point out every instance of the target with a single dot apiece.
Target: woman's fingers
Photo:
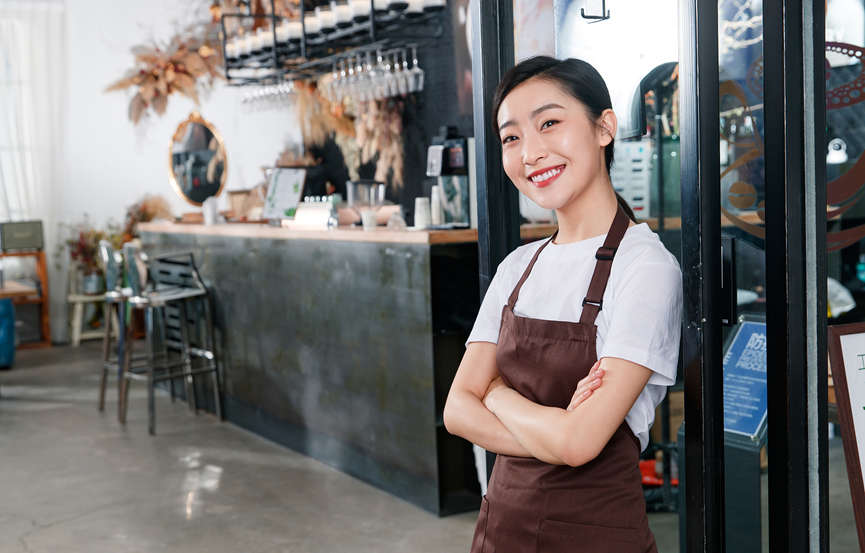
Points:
(587, 385)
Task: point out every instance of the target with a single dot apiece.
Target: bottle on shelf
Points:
(326, 19)
(311, 24)
(230, 50)
(860, 268)
(360, 10)
(342, 13)
(253, 42)
(242, 46)
(265, 38)
(430, 6)
(397, 5)
(293, 29)
(415, 8)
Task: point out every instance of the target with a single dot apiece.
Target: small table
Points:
(77, 322)
(15, 290)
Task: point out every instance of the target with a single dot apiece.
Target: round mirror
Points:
(197, 164)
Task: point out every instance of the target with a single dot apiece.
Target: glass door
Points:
(717, 152)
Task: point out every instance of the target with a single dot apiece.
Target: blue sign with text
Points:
(745, 397)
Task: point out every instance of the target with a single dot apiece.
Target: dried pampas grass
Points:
(379, 133)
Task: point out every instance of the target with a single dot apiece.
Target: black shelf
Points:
(314, 55)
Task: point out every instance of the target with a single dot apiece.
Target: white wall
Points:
(109, 163)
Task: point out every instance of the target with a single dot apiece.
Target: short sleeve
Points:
(486, 327)
(645, 322)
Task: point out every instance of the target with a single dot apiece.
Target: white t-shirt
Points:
(641, 316)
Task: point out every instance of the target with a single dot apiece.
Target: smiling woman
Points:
(568, 428)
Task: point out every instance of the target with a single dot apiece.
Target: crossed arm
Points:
(486, 412)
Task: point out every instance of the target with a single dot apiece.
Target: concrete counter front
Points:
(342, 345)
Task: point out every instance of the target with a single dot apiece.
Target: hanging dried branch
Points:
(187, 65)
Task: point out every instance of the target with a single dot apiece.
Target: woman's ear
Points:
(608, 126)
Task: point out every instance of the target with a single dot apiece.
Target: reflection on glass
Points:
(198, 163)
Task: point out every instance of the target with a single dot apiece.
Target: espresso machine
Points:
(448, 160)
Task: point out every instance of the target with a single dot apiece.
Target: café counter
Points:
(342, 345)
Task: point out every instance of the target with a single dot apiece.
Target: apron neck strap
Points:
(594, 300)
(512, 300)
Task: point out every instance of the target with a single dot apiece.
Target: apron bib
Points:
(532, 506)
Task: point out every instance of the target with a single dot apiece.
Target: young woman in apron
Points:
(568, 428)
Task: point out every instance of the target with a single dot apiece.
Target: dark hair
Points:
(575, 78)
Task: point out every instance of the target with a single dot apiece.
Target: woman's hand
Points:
(586, 386)
(495, 387)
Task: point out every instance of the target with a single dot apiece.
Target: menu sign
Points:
(745, 393)
(283, 193)
(847, 358)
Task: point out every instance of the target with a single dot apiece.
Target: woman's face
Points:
(551, 150)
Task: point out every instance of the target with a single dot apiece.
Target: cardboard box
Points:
(677, 415)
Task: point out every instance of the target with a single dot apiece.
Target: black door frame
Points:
(795, 165)
(795, 255)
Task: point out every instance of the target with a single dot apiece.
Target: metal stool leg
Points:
(187, 357)
(211, 344)
(151, 404)
(106, 348)
(124, 352)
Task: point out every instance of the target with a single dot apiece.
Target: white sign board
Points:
(847, 360)
(283, 193)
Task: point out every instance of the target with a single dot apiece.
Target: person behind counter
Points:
(568, 428)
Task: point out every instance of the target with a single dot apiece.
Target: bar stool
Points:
(176, 283)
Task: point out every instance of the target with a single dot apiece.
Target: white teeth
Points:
(548, 175)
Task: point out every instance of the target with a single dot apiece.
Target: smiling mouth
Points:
(545, 178)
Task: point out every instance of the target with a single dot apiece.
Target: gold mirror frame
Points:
(195, 117)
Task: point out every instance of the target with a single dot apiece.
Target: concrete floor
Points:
(73, 480)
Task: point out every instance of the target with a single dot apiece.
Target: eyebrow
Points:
(532, 115)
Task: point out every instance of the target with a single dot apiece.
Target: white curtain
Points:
(32, 82)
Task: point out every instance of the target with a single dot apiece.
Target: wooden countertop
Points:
(344, 234)
(356, 234)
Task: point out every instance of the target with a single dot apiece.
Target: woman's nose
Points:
(533, 152)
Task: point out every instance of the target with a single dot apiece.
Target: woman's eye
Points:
(507, 139)
(549, 123)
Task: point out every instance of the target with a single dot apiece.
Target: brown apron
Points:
(532, 506)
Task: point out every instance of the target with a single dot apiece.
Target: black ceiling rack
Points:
(314, 56)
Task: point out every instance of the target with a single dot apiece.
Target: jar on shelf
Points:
(311, 24)
(230, 50)
(360, 10)
(415, 8)
(254, 44)
(397, 5)
(326, 19)
(242, 46)
(293, 29)
(430, 6)
(265, 38)
(342, 13)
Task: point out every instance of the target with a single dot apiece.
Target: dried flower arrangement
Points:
(148, 208)
(83, 243)
(187, 65)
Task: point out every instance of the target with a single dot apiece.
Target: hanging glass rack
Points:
(313, 55)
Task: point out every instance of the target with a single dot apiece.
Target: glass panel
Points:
(636, 51)
(743, 297)
(845, 175)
